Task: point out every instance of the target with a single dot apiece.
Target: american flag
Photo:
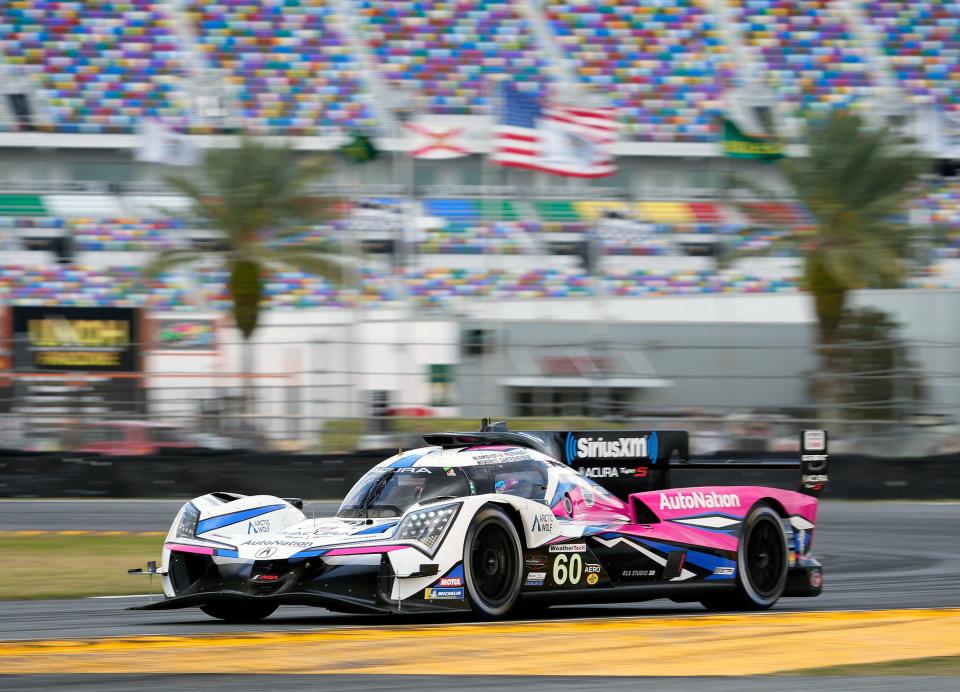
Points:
(554, 139)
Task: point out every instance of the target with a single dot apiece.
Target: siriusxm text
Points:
(602, 448)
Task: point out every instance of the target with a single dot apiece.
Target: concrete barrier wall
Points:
(330, 476)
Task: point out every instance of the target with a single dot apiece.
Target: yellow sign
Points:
(78, 359)
(53, 332)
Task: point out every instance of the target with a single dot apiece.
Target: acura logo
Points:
(265, 552)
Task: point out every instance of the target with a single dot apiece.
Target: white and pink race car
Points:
(497, 520)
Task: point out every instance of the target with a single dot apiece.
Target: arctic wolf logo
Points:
(611, 448)
(542, 523)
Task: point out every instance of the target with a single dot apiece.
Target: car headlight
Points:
(187, 521)
(428, 526)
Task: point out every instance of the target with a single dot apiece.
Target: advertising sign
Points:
(68, 338)
(72, 365)
(192, 334)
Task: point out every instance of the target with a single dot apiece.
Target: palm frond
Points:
(172, 259)
(856, 181)
(326, 266)
(253, 188)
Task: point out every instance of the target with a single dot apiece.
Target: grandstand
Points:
(300, 66)
(77, 217)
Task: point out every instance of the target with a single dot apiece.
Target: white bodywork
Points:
(283, 532)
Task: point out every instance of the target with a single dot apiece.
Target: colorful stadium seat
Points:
(452, 51)
(130, 234)
(662, 64)
(288, 67)
(79, 285)
(808, 53)
(921, 39)
(287, 61)
(100, 67)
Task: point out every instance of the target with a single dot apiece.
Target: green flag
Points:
(738, 145)
(360, 148)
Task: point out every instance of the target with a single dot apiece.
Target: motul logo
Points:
(699, 500)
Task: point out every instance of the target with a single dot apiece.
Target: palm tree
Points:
(856, 181)
(257, 196)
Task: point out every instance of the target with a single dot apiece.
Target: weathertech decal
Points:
(569, 548)
(696, 499)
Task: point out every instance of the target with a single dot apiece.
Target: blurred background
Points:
(320, 226)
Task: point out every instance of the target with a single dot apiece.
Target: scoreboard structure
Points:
(70, 364)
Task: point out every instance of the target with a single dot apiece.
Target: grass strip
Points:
(58, 566)
(935, 665)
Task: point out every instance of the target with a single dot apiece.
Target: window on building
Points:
(115, 172)
(570, 401)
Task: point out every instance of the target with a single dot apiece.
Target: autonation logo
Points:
(611, 448)
(699, 500)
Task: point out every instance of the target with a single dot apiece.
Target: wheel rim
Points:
(765, 553)
(493, 563)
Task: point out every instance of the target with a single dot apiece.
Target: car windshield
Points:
(389, 492)
(526, 478)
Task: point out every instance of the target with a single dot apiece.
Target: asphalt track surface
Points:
(876, 555)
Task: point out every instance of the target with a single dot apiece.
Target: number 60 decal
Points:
(567, 568)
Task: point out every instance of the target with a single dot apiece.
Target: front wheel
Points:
(239, 612)
(761, 564)
(492, 563)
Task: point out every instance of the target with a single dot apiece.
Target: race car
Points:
(496, 521)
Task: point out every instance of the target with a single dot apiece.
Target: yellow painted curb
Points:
(699, 645)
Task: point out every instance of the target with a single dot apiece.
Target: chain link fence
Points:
(358, 390)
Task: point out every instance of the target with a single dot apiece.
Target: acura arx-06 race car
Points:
(492, 520)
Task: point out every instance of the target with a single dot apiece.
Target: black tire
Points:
(761, 564)
(492, 563)
(239, 612)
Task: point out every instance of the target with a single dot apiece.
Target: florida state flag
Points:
(433, 141)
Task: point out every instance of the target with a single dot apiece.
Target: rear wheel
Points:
(239, 612)
(492, 563)
(761, 564)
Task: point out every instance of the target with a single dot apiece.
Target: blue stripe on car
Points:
(233, 517)
(378, 529)
(408, 460)
(695, 557)
(731, 531)
(310, 552)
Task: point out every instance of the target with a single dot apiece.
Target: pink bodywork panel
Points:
(730, 501)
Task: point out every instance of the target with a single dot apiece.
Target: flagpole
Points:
(410, 248)
(487, 174)
(404, 165)
(354, 362)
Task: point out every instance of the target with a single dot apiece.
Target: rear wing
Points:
(812, 464)
(631, 461)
